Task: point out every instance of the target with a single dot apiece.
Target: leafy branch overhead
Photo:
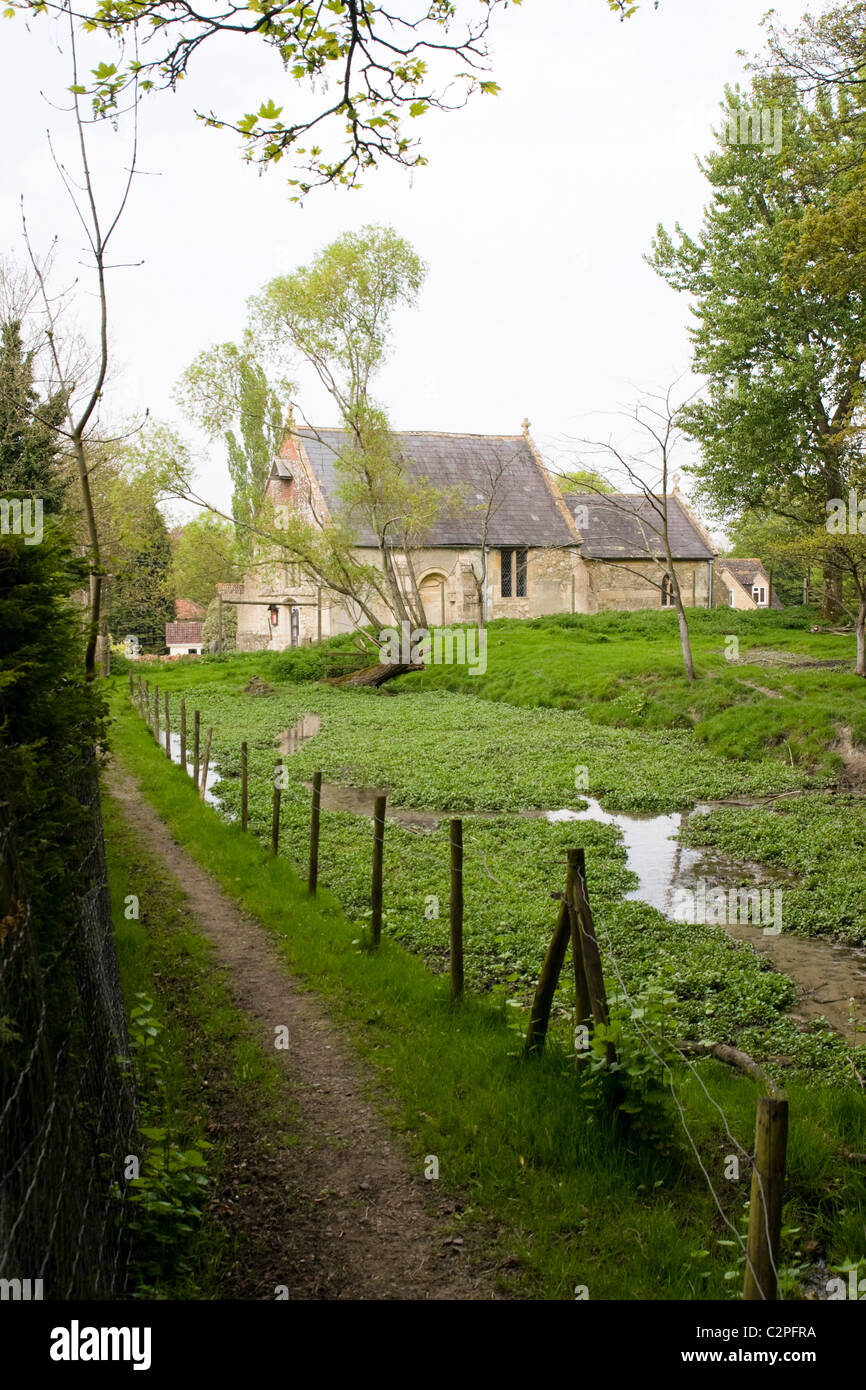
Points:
(360, 72)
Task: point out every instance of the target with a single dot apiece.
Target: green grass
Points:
(819, 837)
(452, 753)
(528, 1151)
(206, 1049)
(625, 670)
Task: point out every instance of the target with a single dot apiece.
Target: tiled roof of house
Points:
(745, 571)
(749, 572)
(186, 611)
(525, 510)
(627, 526)
(178, 633)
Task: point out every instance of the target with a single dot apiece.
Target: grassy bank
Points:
(625, 670)
(525, 1150)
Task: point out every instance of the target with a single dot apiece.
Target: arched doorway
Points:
(432, 589)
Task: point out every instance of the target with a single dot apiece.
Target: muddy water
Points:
(830, 979)
(306, 727)
(336, 796)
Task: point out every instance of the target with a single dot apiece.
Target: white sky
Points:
(533, 215)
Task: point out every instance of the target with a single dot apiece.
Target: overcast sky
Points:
(533, 215)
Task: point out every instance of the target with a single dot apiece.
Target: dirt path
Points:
(338, 1214)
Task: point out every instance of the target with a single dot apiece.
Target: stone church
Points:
(508, 543)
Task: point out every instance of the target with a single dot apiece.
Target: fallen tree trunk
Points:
(376, 675)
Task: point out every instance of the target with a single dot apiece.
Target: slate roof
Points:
(625, 526)
(748, 573)
(526, 512)
(177, 634)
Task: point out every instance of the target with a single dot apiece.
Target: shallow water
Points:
(830, 978)
(291, 739)
(663, 865)
(213, 775)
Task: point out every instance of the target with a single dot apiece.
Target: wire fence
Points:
(67, 1102)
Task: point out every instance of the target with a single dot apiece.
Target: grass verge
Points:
(195, 1057)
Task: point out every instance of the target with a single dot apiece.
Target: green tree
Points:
(370, 69)
(825, 56)
(211, 627)
(140, 596)
(583, 480)
(780, 421)
(30, 457)
(337, 313)
(206, 554)
(226, 392)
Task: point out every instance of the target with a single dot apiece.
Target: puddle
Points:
(830, 978)
(213, 775)
(663, 865)
(305, 728)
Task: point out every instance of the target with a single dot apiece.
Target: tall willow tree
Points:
(336, 313)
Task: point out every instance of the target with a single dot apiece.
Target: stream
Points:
(830, 977)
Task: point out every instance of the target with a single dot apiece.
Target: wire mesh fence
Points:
(67, 1105)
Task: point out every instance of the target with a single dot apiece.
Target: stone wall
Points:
(615, 587)
(553, 584)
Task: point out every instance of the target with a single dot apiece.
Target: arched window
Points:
(667, 592)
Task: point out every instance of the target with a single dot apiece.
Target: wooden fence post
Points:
(156, 713)
(167, 728)
(244, 787)
(315, 813)
(205, 760)
(765, 1206)
(589, 949)
(582, 1006)
(539, 1015)
(378, 854)
(183, 733)
(275, 819)
(456, 912)
(196, 738)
